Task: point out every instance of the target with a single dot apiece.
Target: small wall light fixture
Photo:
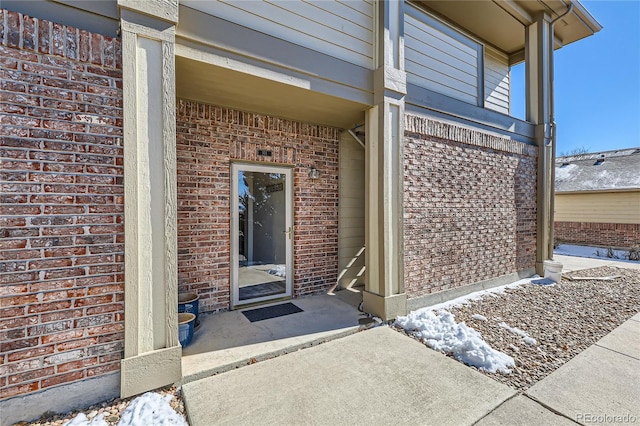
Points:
(314, 173)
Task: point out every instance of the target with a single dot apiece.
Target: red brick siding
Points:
(61, 208)
(620, 235)
(470, 208)
(208, 139)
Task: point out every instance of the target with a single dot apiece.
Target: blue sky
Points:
(597, 82)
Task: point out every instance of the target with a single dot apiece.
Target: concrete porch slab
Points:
(595, 384)
(228, 340)
(377, 376)
(522, 411)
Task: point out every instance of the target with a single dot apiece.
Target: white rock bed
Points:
(543, 327)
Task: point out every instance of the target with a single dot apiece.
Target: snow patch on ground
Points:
(592, 252)
(151, 409)
(441, 332)
(148, 409)
(515, 330)
(477, 295)
(278, 271)
(82, 420)
(479, 317)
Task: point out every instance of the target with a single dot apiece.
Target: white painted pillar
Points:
(384, 238)
(152, 352)
(539, 56)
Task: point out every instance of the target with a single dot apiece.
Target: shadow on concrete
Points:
(229, 340)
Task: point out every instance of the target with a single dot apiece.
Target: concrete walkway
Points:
(381, 377)
(374, 377)
(573, 263)
(600, 384)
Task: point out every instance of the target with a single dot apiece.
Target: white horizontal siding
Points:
(497, 83)
(440, 59)
(342, 29)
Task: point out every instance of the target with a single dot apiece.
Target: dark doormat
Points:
(261, 290)
(269, 312)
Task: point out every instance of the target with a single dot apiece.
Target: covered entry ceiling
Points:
(275, 94)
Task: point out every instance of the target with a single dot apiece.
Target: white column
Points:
(539, 55)
(384, 239)
(152, 352)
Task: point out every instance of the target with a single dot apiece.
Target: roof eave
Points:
(586, 17)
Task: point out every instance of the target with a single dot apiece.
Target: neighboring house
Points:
(251, 150)
(597, 199)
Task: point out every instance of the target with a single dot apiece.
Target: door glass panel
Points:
(262, 235)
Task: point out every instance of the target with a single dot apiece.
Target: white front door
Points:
(261, 233)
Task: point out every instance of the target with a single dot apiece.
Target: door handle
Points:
(289, 232)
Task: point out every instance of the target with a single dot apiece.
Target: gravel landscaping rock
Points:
(112, 410)
(564, 319)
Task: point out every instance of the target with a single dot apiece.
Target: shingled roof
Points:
(599, 171)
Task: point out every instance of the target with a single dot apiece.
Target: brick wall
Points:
(620, 235)
(208, 138)
(61, 211)
(470, 206)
